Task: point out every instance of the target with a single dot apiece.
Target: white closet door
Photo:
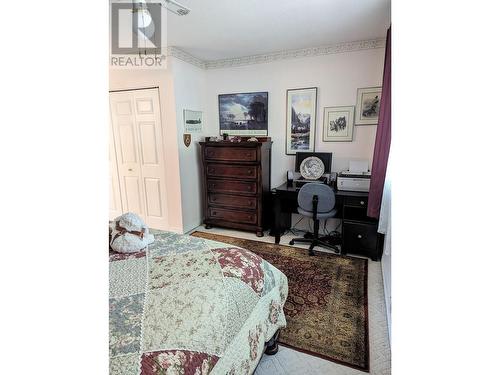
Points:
(139, 153)
(115, 200)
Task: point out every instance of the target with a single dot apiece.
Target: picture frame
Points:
(368, 105)
(338, 123)
(193, 121)
(300, 120)
(244, 114)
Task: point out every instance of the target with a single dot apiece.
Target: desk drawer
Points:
(356, 201)
(227, 170)
(225, 186)
(236, 201)
(232, 215)
(359, 238)
(231, 154)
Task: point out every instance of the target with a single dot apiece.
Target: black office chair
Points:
(316, 200)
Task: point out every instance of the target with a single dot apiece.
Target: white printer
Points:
(357, 178)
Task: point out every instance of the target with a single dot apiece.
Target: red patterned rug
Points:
(327, 305)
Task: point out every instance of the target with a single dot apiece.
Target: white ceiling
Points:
(218, 29)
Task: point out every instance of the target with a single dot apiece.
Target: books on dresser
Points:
(237, 179)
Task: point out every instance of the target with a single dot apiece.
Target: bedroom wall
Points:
(123, 79)
(184, 86)
(386, 275)
(337, 76)
(189, 89)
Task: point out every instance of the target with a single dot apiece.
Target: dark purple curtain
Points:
(383, 138)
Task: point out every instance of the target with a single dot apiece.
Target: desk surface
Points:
(283, 188)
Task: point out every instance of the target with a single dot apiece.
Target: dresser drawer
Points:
(231, 154)
(236, 201)
(228, 170)
(225, 186)
(359, 238)
(232, 215)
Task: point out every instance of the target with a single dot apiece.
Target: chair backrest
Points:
(326, 197)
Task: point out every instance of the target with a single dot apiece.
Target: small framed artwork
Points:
(300, 119)
(243, 114)
(193, 121)
(368, 105)
(338, 124)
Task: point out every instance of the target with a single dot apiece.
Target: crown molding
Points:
(184, 56)
(277, 56)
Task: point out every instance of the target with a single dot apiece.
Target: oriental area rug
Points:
(327, 305)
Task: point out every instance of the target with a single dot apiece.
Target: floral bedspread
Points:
(188, 305)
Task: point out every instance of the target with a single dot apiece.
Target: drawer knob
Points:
(249, 171)
(211, 170)
(362, 203)
(249, 187)
(249, 203)
(360, 236)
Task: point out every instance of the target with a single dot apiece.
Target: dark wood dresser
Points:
(237, 179)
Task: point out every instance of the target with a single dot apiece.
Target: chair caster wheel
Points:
(291, 242)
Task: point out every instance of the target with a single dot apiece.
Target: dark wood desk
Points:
(359, 232)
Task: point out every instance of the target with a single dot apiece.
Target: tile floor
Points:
(291, 362)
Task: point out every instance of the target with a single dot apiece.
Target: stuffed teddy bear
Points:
(129, 234)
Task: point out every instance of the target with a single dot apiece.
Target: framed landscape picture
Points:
(338, 123)
(243, 114)
(300, 119)
(368, 105)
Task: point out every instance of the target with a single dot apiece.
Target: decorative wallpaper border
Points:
(184, 56)
(276, 56)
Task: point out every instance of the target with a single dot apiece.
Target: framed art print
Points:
(243, 114)
(368, 105)
(193, 121)
(300, 119)
(338, 124)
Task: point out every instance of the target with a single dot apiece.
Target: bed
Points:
(188, 305)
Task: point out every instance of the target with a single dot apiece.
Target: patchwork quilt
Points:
(188, 305)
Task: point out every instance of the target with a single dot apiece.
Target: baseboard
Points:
(190, 227)
(306, 224)
(177, 230)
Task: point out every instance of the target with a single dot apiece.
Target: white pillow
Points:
(126, 234)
